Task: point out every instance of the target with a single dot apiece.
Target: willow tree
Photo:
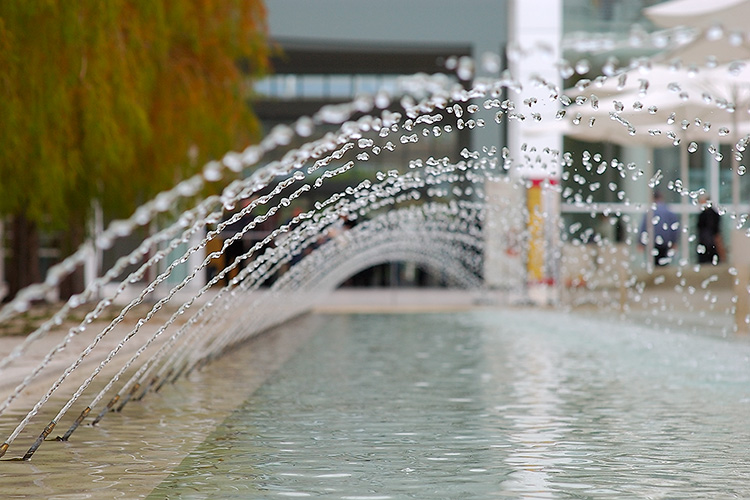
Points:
(111, 102)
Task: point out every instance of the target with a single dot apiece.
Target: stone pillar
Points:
(535, 32)
(638, 194)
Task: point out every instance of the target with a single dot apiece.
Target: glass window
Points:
(313, 86)
(264, 86)
(339, 86)
(366, 84)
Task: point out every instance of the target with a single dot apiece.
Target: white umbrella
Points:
(722, 29)
(700, 14)
(661, 104)
(705, 50)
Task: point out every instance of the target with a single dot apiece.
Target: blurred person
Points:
(666, 230)
(710, 247)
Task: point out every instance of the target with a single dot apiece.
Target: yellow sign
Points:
(535, 256)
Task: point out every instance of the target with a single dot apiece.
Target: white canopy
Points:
(645, 106)
(722, 32)
(733, 15)
(705, 51)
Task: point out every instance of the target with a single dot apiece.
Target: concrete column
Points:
(535, 32)
(714, 179)
(684, 213)
(637, 193)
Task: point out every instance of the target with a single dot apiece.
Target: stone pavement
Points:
(700, 299)
(386, 300)
(693, 298)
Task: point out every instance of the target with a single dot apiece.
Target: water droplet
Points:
(212, 171)
(643, 85)
(465, 70)
(491, 62)
(565, 69)
(621, 81)
(382, 100)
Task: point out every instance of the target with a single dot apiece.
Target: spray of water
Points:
(450, 214)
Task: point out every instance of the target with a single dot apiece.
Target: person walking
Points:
(710, 247)
(665, 230)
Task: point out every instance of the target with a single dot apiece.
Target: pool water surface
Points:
(486, 404)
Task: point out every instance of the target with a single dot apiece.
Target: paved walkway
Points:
(385, 300)
(691, 298)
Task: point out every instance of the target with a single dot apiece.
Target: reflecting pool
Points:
(486, 404)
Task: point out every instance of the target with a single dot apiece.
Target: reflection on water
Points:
(535, 419)
(486, 405)
(130, 453)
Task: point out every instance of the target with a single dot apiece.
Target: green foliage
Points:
(104, 100)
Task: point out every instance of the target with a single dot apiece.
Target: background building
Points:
(330, 50)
